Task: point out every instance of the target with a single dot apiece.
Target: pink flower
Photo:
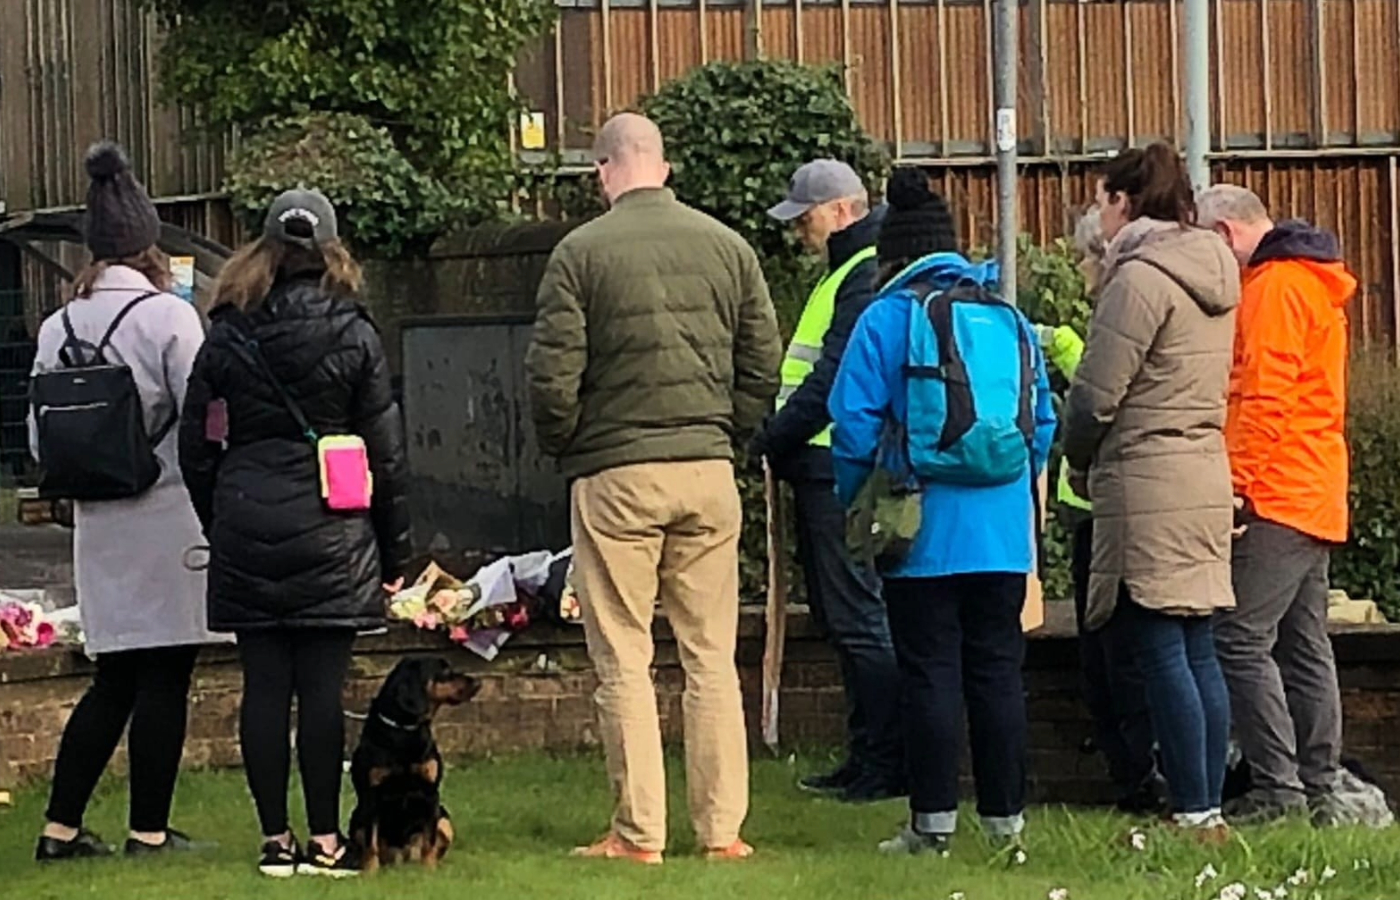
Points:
(428, 621)
(44, 635)
(518, 618)
(459, 634)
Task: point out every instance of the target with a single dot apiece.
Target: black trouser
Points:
(847, 608)
(1112, 683)
(312, 664)
(960, 645)
(148, 689)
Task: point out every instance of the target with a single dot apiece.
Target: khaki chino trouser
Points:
(667, 532)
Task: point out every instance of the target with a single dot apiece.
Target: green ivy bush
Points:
(431, 78)
(1368, 567)
(358, 166)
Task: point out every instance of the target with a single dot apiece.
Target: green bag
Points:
(883, 521)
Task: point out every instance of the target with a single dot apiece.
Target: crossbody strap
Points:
(248, 351)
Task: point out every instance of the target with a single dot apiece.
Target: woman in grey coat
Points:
(1145, 416)
(142, 610)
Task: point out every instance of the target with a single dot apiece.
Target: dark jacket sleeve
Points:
(199, 458)
(377, 419)
(804, 415)
(758, 348)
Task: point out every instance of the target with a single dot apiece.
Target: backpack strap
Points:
(247, 350)
(93, 354)
(952, 368)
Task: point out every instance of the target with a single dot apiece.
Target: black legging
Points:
(312, 663)
(149, 689)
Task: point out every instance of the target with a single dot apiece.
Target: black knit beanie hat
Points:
(918, 221)
(120, 220)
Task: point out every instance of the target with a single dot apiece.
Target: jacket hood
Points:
(942, 271)
(1317, 250)
(1297, 239)
(846, 243)
(1196, 259)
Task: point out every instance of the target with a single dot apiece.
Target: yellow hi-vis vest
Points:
(806, 346)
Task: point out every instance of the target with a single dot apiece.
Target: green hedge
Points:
(1368, 567)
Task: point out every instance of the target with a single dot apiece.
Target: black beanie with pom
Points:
(120, 220)
(917, 222)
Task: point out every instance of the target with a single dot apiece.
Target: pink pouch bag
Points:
(347, 485)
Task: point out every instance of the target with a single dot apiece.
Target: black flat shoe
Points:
(85, 846)
(175, 842)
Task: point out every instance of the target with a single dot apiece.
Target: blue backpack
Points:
(969, 377)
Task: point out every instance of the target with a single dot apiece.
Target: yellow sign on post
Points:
(532, 131)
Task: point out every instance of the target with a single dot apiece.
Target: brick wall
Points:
(522, 707)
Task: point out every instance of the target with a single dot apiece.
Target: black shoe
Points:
(279, 861)
(831, 782)
(85, 846)
(873, 790)
(175, 842)
(341, 864)
(1149, 800)
(1260, 807)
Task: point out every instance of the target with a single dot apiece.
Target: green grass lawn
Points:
(517, 817)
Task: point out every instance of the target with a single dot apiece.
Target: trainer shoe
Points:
(1260, 807)
(85, 845)
(175, 842)
(280, 860)
(833, 782)
(613, 846)
(913, 843)
(736, 850)
(340, 863)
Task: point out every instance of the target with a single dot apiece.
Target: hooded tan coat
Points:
(1145, 416)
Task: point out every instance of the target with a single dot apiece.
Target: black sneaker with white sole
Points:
(280, 861)
(340, 863)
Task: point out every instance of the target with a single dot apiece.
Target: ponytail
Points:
(1155, 182)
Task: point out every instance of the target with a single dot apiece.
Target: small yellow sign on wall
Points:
(532, 131)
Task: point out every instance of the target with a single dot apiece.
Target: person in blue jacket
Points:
(955, 599)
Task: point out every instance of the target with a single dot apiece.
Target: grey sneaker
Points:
(912, 843)
(1351, 801)
(1009, 849)
(1265, 808)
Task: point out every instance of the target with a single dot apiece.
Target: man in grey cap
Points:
(829, 208)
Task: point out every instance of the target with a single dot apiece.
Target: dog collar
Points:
(392, 724)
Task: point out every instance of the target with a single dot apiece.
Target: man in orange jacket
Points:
(1288, 454)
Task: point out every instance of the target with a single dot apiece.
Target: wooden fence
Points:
(1305, 96)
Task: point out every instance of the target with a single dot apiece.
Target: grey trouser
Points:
(1278, 661)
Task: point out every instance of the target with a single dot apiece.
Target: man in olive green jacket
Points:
(655, 349)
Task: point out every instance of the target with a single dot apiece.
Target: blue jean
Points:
(1186, 694)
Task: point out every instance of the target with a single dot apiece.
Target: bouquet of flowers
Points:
(23, 626)
(479, 614)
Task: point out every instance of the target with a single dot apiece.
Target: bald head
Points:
(1237, 215)
(630, 155)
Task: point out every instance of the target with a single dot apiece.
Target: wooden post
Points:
(753, 29)
(775, 615)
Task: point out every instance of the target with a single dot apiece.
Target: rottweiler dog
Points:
(397, 769)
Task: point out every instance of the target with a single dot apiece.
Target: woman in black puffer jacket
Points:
(290, 356)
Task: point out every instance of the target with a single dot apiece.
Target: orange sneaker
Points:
(736, 850)
(614, 846)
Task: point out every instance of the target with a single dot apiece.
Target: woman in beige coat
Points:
(1145, 417)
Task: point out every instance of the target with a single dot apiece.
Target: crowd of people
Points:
(1203, 475)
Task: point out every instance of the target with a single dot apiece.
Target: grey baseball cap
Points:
(820, 181)
(302, 217)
